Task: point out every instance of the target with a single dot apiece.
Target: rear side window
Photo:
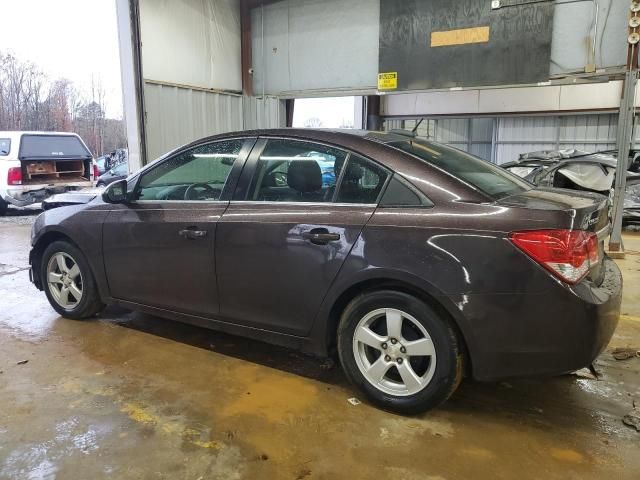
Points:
(361, 182)
(400, 194)
(52, 147)
(5, 146)
(490, 179)
(296, 171)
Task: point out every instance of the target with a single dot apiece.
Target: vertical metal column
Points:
(623, 143)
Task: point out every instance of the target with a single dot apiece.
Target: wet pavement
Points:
(134, 396)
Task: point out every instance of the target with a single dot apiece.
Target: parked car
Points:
(36, 165)
(578, 170)
(103, 163)
(118, 172)
(420, 264)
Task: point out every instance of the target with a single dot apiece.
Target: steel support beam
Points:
(623, 143)
(374, 121)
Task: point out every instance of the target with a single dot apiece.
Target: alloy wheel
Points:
(64, 280)
(394, 352)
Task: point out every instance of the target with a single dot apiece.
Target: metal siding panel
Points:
(192, 42)
(316, 45)
(481, 129)
(451, 130)
(175, 116)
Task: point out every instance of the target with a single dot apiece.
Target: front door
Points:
(159, 249)
(280, 246)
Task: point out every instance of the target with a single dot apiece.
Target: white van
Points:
(36, 165)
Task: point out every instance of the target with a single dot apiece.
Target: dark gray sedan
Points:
(116, 173)
(416, 264)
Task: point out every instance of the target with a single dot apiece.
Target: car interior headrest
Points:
(304, 176)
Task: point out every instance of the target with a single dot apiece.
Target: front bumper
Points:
(559, 331)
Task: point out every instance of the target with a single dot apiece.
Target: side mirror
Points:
(116, 192)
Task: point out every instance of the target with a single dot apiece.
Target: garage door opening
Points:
(330, 112)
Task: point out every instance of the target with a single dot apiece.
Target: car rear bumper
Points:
(28, 195)
(559, 331)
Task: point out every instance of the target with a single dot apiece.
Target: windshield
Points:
(488, 178)
(52, 147)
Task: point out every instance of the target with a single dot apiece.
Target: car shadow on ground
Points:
(542, 403)
(321, 369)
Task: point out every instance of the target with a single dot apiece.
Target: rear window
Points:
(488, 178)
(5, 146)
(52, 147)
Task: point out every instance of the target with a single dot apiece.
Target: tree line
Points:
(29, 100)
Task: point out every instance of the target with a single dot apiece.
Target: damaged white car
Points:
(578, 170)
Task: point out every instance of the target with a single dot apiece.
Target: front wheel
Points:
(399, 351)
(68, 281)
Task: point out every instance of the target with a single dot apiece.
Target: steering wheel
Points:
(196, 190)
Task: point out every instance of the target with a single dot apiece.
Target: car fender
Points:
(351, 280)
(78, 224)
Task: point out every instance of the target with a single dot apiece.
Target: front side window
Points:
(5, 146)
(199, 174)
(296, 171)
(490, 179)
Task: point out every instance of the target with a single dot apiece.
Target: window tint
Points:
(399, 194)
(197, 174)
(5, 146)
(361, 182)
(52, 146)
(296, 171)
(486, 177)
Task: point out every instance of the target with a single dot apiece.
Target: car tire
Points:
(3, 207)
(427, 353)
(73, 292)
(101, 184)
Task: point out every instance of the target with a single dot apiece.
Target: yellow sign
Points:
(388, 81)
(460, 37)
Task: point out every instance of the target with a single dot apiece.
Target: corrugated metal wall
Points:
(176, 115)
(517, 135)
(503, 139)
(472, 135)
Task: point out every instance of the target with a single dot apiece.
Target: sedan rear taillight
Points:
(14, 176)
(568, 254)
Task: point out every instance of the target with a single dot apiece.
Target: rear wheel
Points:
(399, 351)
(3, 207)
(68, 281)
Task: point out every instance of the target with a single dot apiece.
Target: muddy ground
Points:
(133, 396)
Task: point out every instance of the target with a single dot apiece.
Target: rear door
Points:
(159, 249)
(296, 214)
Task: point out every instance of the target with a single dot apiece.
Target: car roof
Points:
(15, 135)
(320, 133)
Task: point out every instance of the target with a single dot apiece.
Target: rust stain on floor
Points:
(270, 394)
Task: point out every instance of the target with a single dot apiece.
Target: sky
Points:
(332, 112)
(72, 39)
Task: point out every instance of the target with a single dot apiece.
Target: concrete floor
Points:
(133, 396)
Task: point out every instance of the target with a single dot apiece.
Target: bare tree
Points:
(313, 122)
(29, 101)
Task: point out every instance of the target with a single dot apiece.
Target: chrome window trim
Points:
(314, 204)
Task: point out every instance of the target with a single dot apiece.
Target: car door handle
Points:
(192, 234)
(320, 236)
